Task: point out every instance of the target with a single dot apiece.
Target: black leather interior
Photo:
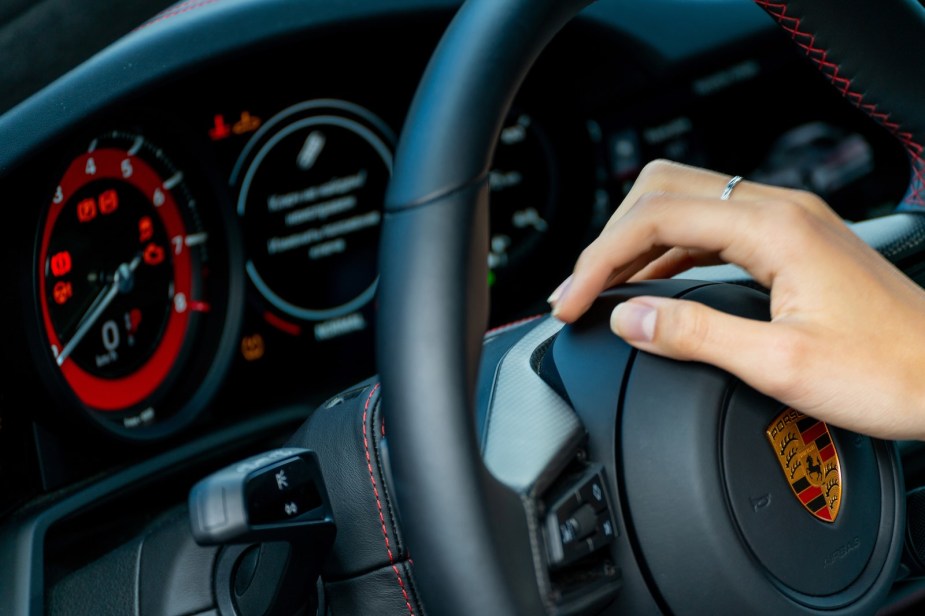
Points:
(369, 570)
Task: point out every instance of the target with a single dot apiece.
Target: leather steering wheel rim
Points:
(466, 531)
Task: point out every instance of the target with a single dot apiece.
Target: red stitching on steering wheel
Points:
(820, 57)
(372, 479)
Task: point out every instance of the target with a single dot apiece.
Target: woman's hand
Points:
(846, 341)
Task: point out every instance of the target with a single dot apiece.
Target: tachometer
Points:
(122, 261)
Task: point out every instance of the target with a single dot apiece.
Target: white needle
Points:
(121, 283)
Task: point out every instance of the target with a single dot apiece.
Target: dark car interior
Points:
(195, 206)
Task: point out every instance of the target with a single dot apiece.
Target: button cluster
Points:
(579, 522)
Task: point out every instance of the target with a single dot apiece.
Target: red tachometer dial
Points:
(118, 275)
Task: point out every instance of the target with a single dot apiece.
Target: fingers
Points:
(690, 331)
(662, 176)
(673, 220)
(737, 233)
(840, 311)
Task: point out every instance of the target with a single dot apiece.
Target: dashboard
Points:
(191, 220)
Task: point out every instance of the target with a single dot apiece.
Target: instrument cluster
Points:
(208, 249)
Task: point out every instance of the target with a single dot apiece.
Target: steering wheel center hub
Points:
(731, 495)
(772, 504)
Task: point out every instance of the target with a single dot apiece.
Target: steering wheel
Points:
(704, 509)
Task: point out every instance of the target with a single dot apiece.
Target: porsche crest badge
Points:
(807, 456)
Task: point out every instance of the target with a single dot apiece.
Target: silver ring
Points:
(729, 188)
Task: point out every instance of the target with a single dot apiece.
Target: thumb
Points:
(690, 331)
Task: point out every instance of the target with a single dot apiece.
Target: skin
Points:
(846, 340)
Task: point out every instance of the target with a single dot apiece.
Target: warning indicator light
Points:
(252, 347)
(61, 264)
(145, 229)
(247, 124)
(86, 210)
(154, 254)
(219, 129)
(109, 201)
(62, 292)
(132, 320)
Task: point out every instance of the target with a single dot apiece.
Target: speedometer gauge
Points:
(122, 259)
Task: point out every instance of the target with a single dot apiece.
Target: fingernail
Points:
(560, 291)
(634, 322)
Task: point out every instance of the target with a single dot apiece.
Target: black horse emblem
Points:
(813, 468)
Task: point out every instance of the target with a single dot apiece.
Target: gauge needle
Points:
(122, 282)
